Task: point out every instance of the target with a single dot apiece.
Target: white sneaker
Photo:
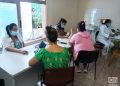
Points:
(85, 70)
(103, 52)
(78, 70)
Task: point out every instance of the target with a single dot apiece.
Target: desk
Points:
(14, 68)
(115, 37)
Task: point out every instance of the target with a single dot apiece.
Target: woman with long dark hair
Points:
(13, 41)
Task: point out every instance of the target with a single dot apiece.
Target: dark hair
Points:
(105, 21)
(51, 33)
(62, 20)
(10, 27)
(81, 26)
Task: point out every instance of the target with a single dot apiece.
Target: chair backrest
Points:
(58, 77)
(88, 56)
(96, 34)
(2, 82)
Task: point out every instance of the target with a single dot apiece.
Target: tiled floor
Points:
(103, 72)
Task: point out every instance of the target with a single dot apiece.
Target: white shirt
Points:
(104, 33)
(8, 42)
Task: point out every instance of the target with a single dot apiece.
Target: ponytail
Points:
(81, 26)
(8, 30)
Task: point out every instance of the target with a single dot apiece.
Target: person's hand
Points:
(71, 33)
(112, 34)
(68, 34)
(24, 52)
(110, 37)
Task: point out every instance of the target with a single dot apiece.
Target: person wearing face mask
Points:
(60, 27)
(13, 40)
(105, 33)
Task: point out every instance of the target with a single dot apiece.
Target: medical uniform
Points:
(103, 36)
(8, 42)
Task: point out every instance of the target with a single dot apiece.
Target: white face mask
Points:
(14, 33)
(62, 25)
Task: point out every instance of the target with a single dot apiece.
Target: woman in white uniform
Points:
(104, 35)
(13, 40)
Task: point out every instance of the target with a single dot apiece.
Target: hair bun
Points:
(48, 28)
(82, 22)
(51, 33)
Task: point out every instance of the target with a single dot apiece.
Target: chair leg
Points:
(72, 83)
(95, 72)
(41, 83)
(88, 66)
(2, 83)
(100, 53)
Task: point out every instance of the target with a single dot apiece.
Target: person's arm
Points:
(65, 36)
(9, 46)
(38, 57)
(16, 50)
(33, 61)
(62, 34)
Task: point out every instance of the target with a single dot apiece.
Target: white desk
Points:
(14, 68)
(117, 37)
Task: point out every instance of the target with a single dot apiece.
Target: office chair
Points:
(98, 44)
(2, 83)
(88, 57)
(58, 77)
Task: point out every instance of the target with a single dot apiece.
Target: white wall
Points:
(110, 9)
(67, 9)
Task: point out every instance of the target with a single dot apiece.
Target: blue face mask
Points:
(109, 24)
(14, 33)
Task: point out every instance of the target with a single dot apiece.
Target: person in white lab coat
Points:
(13, 40)
(104, 35)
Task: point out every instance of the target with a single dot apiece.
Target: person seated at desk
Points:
(54, 56)
(82, 40)
(13, 41)
(105, 34)
(60, 27)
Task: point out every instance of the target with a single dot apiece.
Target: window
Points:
(32, 19)
(93, 16)
(29, 15)
(5, 19)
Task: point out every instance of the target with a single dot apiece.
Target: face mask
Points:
(62, 25)
(14, 33)
(109, 24)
